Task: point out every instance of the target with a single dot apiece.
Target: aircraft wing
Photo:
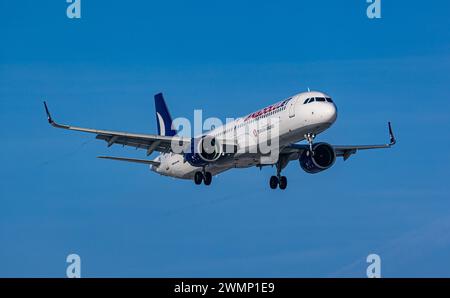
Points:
(139, 141)
(143, 161)
(342, 150)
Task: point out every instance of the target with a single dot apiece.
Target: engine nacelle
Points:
(204, 150)
(322, 159)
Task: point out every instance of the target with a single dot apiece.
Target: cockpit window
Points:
(321, 99)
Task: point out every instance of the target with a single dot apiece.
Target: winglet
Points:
(49, 117)
(391, 135)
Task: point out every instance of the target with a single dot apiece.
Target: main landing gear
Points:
(278, 180)
(204, 176)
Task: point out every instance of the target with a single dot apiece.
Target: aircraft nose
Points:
(329, 113)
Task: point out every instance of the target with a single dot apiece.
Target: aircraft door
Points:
(292, 108)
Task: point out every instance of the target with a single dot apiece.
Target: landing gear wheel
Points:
(207, 178)
(283, 182)
(198, 178)
(273, 182)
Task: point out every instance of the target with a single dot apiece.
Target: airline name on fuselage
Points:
(267, 109)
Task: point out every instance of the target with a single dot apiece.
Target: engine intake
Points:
(204, 150)
(209, 149)
(322, 159)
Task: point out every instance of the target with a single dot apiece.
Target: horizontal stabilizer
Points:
(144, 161)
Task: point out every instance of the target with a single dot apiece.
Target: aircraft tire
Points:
(198, 178)
(273, 182)
(283, 182)
(208, 178)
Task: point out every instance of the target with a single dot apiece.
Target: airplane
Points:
(300, 117)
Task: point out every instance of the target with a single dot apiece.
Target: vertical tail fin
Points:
(163, 118)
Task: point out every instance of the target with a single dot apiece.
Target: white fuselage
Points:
(295, 118)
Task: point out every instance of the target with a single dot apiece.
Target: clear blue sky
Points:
(228, 58)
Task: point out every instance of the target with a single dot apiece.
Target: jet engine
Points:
(204, 150)
(322, 158)
(209, 149)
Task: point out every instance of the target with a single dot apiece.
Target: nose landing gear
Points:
(310, 138)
